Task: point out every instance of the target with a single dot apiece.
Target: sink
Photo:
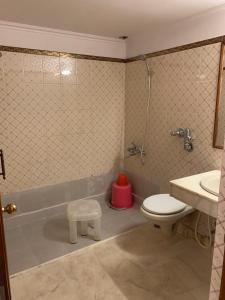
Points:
(211, 183)
(199, 191)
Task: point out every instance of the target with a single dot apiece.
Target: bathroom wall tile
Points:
(53, 123)
(51, 69)
(178, 99)
(53, 97)
(33, 68)
(69, 97)
(68, 71)
(33, 77)
(191, 64)
(68, 63)
(52, 78)
(219, 246)
(87, 151)
(68, 79)
(78, 122)
(209, 62)
(84, 96)
(1, 61)
(84, 121)
(84, 72)
(33, 63)
(13, 79)
(3, 92)
(50, 64)
(12, 61)
(22, 125)
(183, 94)
(23, 98)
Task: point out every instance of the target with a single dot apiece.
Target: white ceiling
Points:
(110, 18)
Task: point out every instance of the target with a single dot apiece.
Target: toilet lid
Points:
(163, 204)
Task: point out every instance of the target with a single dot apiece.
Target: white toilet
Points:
(164, 211)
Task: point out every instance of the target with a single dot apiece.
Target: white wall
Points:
(26, 36)
(198, 28)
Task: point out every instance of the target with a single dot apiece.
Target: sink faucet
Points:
(186, 134)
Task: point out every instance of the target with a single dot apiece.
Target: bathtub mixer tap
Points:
(135, 150)
(185, 133)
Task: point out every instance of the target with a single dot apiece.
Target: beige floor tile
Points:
(122, 268)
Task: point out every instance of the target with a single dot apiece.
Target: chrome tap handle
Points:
(177, 132)
(187, 135)
(188, 146)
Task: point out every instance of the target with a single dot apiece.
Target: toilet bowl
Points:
(163, 211)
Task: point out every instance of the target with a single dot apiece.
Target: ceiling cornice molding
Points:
(31, 28)
(23, 35)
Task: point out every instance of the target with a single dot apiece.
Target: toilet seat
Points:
(163, 204)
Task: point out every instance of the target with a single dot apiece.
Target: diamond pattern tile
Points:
(183, 94)
(61, 118)
(219, 247)
(57, 127)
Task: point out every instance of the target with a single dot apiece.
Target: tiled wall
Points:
(221, 115)
(183, 94)
(219, 246)
(57, 127)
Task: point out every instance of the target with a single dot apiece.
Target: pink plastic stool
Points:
(121, 196)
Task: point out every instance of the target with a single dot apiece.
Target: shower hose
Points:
(209, 232)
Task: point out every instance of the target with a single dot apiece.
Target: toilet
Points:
(163, 211)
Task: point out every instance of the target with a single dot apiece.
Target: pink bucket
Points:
(121, 196)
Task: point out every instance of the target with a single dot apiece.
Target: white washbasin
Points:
(190, 191)
(211, 183)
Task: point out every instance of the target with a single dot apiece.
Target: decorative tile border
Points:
(111, 59)
(56, 53)
(180, 48)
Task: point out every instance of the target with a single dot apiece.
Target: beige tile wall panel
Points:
(183, 94)
(218, 255)
(57, 128)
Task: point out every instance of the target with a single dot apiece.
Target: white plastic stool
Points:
(84, 211)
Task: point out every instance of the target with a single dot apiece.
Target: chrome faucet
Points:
(186, 134)
(136, 150)
(133, 150)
